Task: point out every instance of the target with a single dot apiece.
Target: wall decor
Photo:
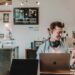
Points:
(4, 11)
(1, 35)
(5, 17)
(26, 16)
(2, 2)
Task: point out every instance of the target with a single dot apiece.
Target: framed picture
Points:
(26, 16)
(6, 17)
(1, 36)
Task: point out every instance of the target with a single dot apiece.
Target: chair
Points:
(30, 54)
(24, 67)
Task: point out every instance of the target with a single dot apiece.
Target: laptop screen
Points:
(54, 61)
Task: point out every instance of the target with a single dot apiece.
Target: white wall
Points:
(49, 10)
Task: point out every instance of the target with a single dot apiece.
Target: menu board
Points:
(26, 16)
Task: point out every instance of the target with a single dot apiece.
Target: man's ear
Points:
(48, 29)
(51, 31)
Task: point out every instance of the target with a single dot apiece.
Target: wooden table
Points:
(59, 72)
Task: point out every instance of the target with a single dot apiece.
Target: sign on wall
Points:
(26, 16)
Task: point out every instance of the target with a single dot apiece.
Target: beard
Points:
(58, 37)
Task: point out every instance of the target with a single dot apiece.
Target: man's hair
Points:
(56, 23)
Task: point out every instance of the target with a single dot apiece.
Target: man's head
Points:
(56, 29)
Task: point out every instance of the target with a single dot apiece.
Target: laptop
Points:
(54, 61)
(24, 67)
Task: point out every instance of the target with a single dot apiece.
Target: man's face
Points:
(57, 33)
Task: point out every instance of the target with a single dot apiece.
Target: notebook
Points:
(54, 61)
(24, 67)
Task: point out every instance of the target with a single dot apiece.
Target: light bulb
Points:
(6, 25)
(22, 4)
(38, 3)
(6, 4)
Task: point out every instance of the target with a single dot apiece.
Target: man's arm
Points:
(40, 50)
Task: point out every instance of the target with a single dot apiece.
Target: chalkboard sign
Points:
(26, 16)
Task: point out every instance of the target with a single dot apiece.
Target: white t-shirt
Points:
(45, 48)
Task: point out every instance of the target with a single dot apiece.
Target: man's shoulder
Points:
(46, 42)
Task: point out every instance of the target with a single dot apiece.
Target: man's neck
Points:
(54, 39)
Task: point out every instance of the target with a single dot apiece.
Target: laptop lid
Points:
(54, 61)
(24, 67)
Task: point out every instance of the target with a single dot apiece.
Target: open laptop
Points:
(54, 61)
(24, 67)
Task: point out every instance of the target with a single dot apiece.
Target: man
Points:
(53, 44)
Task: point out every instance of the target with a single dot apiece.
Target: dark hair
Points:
(56, 23)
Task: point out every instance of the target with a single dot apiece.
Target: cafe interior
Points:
(24, 27)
